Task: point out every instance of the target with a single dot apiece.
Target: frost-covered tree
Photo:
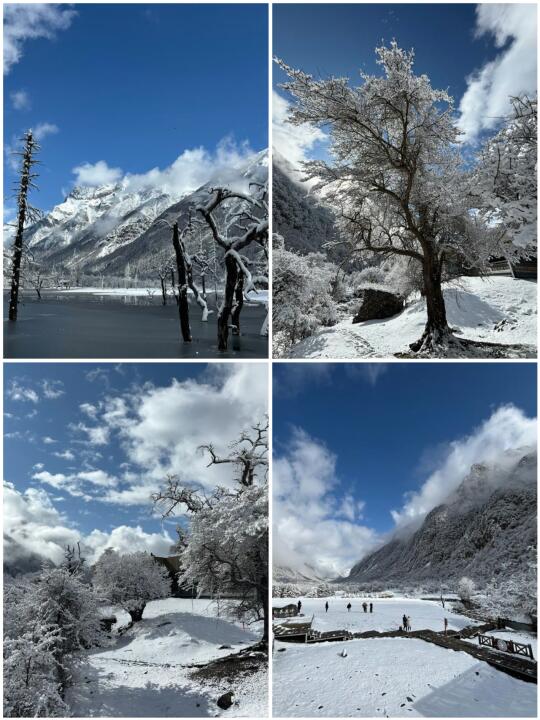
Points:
(131, 580)
(244, 223)
(302, 288)
(466, 588)
(505, 179)
(396, 179)
(225, 552)
(48, 621)
(25, 213)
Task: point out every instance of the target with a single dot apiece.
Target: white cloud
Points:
(513, 71)
(33, 526)
(48, 440)
(34, 529)
(41, 130)
(293, 142)
(311, 526)
(24, 22)
(193, 168)
(126, 539)
(97, 174)
(507, 428)
(20, 393)
(160, 429)
(66, 455)
(53, 389)
(20, 100)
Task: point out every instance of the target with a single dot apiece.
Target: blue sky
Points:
(481, 53)
(390, 428)
(136, 85)
(85, 445)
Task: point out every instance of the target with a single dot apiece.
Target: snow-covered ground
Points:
(146, 673)
(387, 614)
(392, 677)
(493, 309)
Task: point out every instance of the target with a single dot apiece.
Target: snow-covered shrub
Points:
(303, 300)
(319, 591)
(373, 275)
(48, 621)
(286, 590)
(513, 597)
(466, 588)
(131, 580)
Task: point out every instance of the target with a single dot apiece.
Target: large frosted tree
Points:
(225, 551)
(395, 176)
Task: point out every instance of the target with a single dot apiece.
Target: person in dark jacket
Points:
(299, 606)
(364, 605)
(326, 606)
(404, 622)
(349, 606)
(370, 607)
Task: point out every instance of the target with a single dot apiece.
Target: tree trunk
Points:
(436, 330)
(136, 615)
(163, 291)
(203, 281)
(239, 298)
(201, 302)
(183, 307)
(266, 614)
(231, 269)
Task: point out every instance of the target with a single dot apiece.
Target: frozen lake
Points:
(95, 326)
(387, 614)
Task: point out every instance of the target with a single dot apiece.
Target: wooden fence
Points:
(509, 646)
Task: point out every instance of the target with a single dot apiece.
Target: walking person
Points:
(408, 623)
(404, 618)
(364, 605)
(370, 607)
(349, 606)
(326, 606)
(299, 606)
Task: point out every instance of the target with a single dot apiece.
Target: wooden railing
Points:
(509, 646)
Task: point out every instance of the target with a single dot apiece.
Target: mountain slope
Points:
(99, 230)
(486, 528)
(304, 224)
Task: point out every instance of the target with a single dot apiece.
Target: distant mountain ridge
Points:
(100, 230)
(487, 527)
(304, 574)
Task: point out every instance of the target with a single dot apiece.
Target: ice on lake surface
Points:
(95, 326)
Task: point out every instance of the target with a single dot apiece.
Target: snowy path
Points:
(493, 309)
(392, 677)
(146, 674)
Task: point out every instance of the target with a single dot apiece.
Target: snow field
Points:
(146, 672)
(493, 309)
(387, 614)
(392, 677)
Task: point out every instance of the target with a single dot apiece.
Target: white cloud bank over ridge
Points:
(191, 169)
(293, 142)
(311, 527)
(506, 429)
(23, 22)
(35, 528)
(512, 72)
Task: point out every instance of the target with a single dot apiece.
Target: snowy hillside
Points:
(147, 672)
(488, 525)
(305, 573)
(493, 309)
(99, 230)
(304, 224)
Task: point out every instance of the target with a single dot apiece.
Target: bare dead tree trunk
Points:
(201, 302)
(239, 304)
(231, 270)
(203, 282)
(163, 290)
(28, 161)
(183, 306)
